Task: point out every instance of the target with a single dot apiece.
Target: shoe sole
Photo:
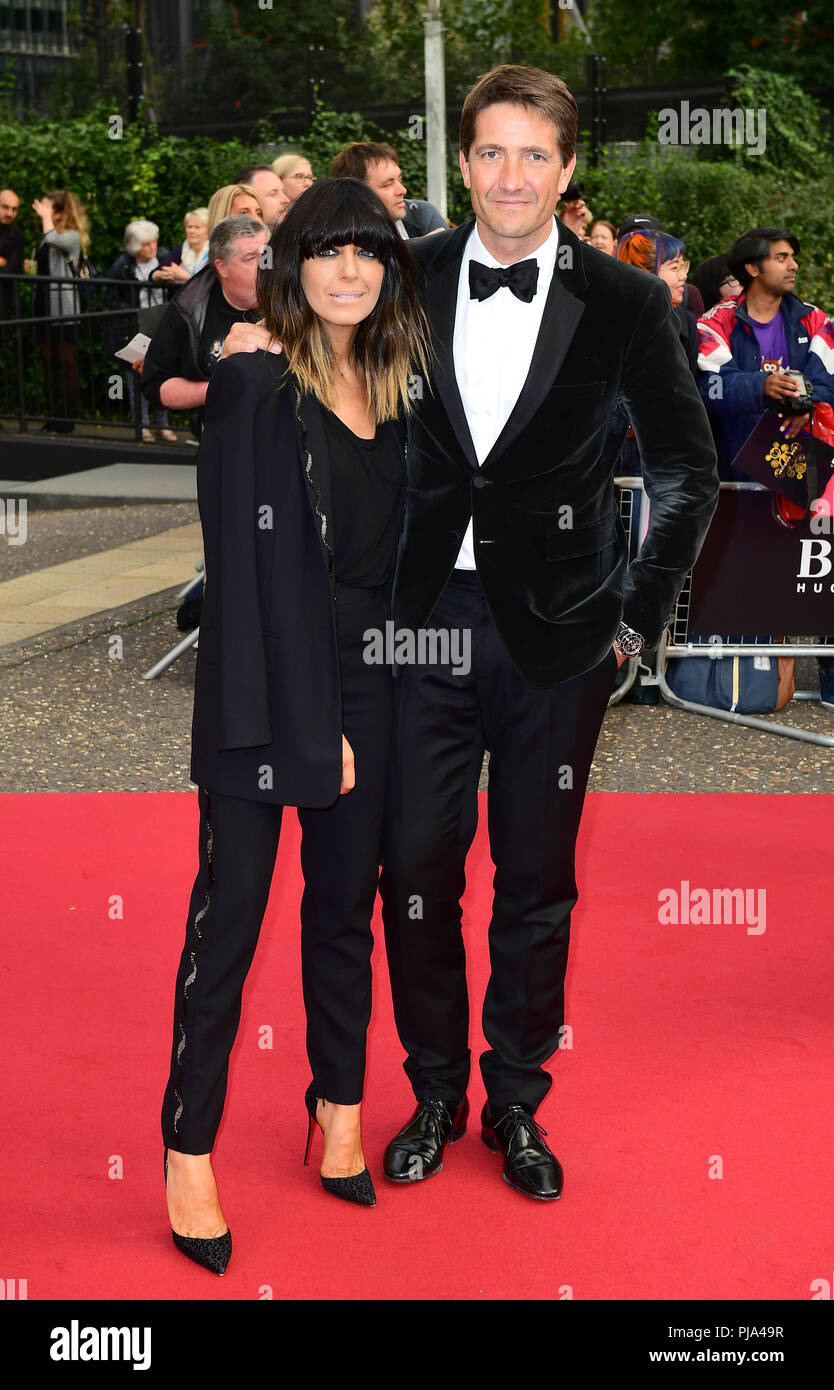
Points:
(453, 1139)
(524, 1192)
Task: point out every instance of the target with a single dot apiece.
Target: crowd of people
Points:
(741, 324)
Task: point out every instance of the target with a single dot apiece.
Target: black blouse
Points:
(368, 484)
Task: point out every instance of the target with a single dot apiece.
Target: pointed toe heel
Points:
(359, 1188)
(211, 1253)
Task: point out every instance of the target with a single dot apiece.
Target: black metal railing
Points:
(58, 369)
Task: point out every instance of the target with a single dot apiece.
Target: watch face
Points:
(629, 641)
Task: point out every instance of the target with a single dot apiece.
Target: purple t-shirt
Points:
(773, 344)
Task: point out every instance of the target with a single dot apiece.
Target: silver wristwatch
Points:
(629, 642)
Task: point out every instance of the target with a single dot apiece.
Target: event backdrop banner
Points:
(757, 578)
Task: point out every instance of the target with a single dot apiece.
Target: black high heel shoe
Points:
(212, 1253)
(359, 1188)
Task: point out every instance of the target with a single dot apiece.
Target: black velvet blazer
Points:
(267, 700)
(557, 592)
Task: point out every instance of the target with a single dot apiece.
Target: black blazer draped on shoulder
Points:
(267, 701)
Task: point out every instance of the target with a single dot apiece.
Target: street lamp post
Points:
(435, 106)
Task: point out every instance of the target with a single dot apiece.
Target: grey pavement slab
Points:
(116, 482)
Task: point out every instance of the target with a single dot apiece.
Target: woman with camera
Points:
(301, 479)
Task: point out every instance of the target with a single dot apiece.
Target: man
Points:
(376, 165)
(748, 342)
(189, 338)
(270, 190)
(512, 536)
(12, 245)
(512, 543)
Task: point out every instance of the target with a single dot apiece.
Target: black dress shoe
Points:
(529, 1166)
(417, 1151)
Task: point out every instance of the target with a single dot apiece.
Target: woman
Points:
(301, 477)
(663, 255)
(64, 242)
(603, 237)
(231, 198)
(139, 264)
(295, 174)
(716, 281)
(179, 266)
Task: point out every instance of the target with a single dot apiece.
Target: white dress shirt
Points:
(492, 348)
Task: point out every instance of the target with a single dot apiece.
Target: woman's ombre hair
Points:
(649, 249)
(391, 343)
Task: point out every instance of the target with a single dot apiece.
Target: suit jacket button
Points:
(481, 482)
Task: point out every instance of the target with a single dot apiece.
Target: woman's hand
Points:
(348, 769)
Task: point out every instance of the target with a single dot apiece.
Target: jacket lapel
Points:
(441, 302)
(562, 312)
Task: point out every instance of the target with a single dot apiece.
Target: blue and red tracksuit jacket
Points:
(730, 378)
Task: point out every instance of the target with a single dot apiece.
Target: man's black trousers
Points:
(541, 744)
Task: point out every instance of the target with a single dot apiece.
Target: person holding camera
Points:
(754, 351)
(749, 345)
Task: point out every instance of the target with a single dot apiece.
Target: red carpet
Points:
(689, 1042)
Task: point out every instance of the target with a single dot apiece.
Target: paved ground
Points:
(75, 717)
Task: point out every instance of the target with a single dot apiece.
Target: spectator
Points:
(269, 189)
(232, 200)
(716, 281)
(574, 211)
(663, 255)
(189, 338)
(377, 166)
(179, 266)
(138, 265)
(603, 237)
(295, 174)
(12, 243)
(748, 343)
(65, 240)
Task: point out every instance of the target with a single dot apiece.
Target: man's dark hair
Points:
(352, 162)
(245, 175)
(754, 248)
(532, 89)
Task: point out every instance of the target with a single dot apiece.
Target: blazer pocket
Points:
(580, 540)
(582, 391)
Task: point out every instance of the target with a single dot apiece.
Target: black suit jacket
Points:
(558, 591)
(267, 701)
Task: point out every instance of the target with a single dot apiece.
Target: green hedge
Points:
(706, 203)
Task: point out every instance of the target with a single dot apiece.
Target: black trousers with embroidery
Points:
(340, 850)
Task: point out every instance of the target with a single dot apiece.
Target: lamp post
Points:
(435, 106)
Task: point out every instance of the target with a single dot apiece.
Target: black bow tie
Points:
(521, 278)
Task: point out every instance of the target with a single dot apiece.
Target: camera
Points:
(574, 191)
(803, 404)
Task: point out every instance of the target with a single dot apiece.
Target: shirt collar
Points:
(544, 254)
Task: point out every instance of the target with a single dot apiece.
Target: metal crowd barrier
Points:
(64, 362)
(634, 511)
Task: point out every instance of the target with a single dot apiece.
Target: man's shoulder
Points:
(426, 249)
